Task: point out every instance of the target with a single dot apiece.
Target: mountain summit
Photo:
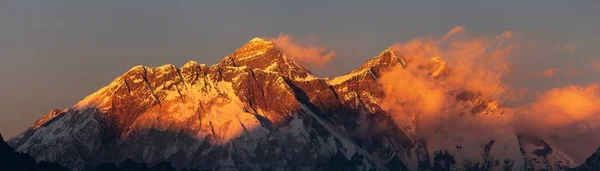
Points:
(257, 109)
(376, 66)
(262, 54)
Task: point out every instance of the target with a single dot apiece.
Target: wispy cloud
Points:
(596, 64)
(306, 54)
(550, 72)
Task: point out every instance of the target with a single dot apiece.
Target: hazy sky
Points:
(54, 53)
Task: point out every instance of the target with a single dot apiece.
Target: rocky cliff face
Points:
(257, 109)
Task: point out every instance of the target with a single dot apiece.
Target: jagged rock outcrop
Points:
(257, 109)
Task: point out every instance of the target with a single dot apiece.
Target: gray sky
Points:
(53, 53)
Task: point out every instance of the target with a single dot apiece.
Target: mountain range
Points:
(257, 109)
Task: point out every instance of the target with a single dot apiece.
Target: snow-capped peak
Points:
(258, 41)
(254, 48)
(262, 54)
(385, 61)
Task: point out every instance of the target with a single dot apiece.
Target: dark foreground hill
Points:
(10, 160)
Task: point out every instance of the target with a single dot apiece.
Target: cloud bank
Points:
(453, 86)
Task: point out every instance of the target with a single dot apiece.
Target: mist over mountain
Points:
(426, 104)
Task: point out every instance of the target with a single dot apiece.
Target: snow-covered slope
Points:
(257, 109)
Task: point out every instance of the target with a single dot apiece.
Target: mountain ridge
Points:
(256, 109)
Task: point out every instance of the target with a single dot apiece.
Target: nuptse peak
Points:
(256, 109)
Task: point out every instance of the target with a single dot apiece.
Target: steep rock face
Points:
(257, 109)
